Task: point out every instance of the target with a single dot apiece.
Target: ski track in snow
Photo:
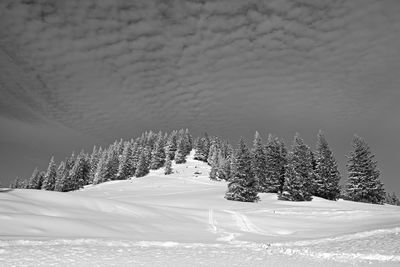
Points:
(224, 236)
(211, 221)
(245, 224)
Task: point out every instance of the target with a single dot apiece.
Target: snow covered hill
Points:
(183, 220)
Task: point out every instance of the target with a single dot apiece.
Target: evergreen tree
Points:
(198, 146)
(258, 163)
(63, 183)
(142, 167)
(242, 186)
(298, 173)
(224, 167)
(392, 199)
(100, 174)
(282, 163)
(94, 160)
(363, 182)
(214, 162)
(158, 154)
(17, 183)
(327, 176)
(24, 183)
(171, 145)
(188, 141)
(36, 180)
(202, 148)
(79, 174)
(49, 181)
(168, 166)
(136, 150)
(275, 162)
(181, 152)
(125, 168)
(60, 171)
(75, 176)
(112, 163)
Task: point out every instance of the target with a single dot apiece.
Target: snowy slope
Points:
(183, 219)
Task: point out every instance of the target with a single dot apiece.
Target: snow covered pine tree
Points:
(327, 176)
(242, 186)
(363, 182)
(298, 173)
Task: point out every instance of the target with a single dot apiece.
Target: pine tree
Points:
(198, 146)
(142, 167)
(363, 182)
(298, 173)
(125, 168)
(168, 166)
(181, 152)
(99, 176)
(36, 180)
(60, 170)
(202, 148)
(214, 162)
(283, 152)
(242, 186)
(49, 181)
(94, 160)
(392, 199)
(75, 176)
(188, 141)
(171, 145)
(17, 183)
(224, 167)
(63, 183)
(112, 163)
(79, 174)
(275, 161)
(258, 164)
(158, 154)
(327, 176)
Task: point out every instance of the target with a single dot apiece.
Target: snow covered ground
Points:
(183, 220)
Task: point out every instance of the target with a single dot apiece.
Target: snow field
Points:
(183, 220)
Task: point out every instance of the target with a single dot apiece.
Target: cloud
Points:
(113, 61)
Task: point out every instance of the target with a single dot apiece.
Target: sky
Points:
(78, 73)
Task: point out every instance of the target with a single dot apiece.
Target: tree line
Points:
(295, 175)
(120, 161)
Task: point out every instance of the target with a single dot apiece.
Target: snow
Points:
(183, 220)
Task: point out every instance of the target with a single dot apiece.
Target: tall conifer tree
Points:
(142, 167)
(363, 182)
(327, 176)
(36, 180)
(242, 187)
(299, 172)
(99, 176)
(214, 162)
(158, 154)
(168, 166)
(180, 155)
(49, 181)
(274, 165)
(258, 164)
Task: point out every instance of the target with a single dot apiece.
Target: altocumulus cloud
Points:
(98, 66)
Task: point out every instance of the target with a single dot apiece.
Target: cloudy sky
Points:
(77, 73)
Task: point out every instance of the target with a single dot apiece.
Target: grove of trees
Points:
(120, 161)
(297, 174)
